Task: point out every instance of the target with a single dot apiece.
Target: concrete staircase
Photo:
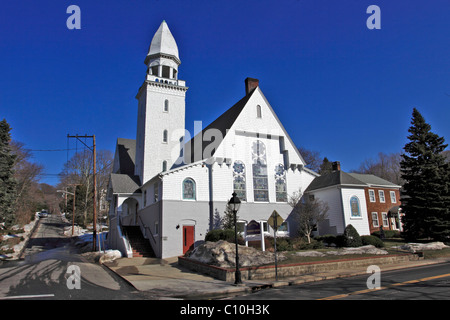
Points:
(140, 246)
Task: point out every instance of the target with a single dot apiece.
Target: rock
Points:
(223, 254)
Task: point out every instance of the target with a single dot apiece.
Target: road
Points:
(52, 269)
(430, 282)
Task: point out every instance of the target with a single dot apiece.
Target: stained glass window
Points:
(260, 184)
(354, 206)
(280, 183)
(189, 189)
(239, 180)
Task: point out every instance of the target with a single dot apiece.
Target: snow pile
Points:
(414, 247)
(20, 246)
(223, 254)
(77, 231)
(110, 255)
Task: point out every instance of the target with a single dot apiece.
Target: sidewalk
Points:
(165, 279)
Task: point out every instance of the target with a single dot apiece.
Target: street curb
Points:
(248, 288)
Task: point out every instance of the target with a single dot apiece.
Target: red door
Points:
(188, 238)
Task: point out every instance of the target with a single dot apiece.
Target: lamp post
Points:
(235, 204)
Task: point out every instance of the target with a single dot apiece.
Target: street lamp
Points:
(235, 204)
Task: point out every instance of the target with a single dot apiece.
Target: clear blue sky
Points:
(338, 87)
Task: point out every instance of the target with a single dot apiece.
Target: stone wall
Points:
(291, 270)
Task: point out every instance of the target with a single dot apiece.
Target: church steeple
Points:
(161, 108)
(162, 58)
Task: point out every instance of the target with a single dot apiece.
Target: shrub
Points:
(283, 243)
(351, 237)
(329, 239)
(388, 234)
(223, 234)
(372, 240)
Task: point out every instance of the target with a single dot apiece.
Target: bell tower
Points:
(161, 108)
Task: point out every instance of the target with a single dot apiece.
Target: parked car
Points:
(43, 214)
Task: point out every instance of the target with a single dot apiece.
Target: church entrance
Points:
(188, 238)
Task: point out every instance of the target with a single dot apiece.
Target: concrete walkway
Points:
(165, 279)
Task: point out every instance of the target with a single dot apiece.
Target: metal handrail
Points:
(147, 228)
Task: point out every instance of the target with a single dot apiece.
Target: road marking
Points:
(339, 296)
(32, 296)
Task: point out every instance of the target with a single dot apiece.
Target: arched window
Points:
(354, 206)
(280, 183)
(258, 111)
(188, 189)
(166, 105)
(165, 134)
(164, 166)
(239, 180)
(260, 184)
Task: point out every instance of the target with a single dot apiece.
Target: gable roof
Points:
(125, 154)
(194, 149)
(124, 183)
(122, 179)
(334, 178)
(339, 177)
(373, 181)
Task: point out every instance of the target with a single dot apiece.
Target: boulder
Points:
(223, 254)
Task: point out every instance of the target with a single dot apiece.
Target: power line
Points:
(49, 149)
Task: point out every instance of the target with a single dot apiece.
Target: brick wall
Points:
(381, 207)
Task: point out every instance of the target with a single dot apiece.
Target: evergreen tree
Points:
(326, 166)
(425, 198)
(7, 181)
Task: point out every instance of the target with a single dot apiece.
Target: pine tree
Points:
(425, 198)
(7, 181)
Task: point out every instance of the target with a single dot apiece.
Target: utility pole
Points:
(93, 149)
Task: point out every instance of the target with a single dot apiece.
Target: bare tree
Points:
(386, 166)
(79, 171)
(27, 187)
(311, 157)
(308, 211)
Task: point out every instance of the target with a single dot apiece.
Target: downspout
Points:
(211, 197)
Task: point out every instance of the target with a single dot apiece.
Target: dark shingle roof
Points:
(334, 178)
(124, 183)
(373, 180)
(348, 179)
(127, 153)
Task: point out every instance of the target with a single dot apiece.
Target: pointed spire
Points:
(163, 42)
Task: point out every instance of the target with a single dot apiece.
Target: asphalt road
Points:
(52, 269)
(421, 283)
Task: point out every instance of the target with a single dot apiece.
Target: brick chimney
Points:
(336, 165)
(250, 84)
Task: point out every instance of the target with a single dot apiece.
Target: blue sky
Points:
(338, 87)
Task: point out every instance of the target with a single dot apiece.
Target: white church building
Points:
(170, 188)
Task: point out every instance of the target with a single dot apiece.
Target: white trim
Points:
(374, 197)
(382, 198)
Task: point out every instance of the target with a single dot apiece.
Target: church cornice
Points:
(171, 87)
(161, 55)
